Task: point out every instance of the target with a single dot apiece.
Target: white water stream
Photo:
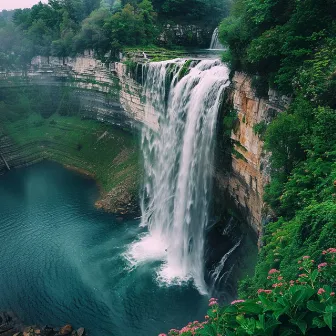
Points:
(178, 162)
(215, 44)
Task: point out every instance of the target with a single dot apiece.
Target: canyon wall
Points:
(242, 184)
(113, 93)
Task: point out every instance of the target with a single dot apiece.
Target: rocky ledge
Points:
(10, 325)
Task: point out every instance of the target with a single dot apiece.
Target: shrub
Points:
(302, 305)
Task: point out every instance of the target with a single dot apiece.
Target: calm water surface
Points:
(62, 261)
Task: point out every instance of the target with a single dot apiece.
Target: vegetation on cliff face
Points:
(291, 46)
(58, 132)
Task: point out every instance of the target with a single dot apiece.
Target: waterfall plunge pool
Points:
(62, 261)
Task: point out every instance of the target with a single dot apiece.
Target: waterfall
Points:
(178, 161)
(215, 275)
(215, 44)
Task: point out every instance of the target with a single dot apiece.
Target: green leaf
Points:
(231, 309)
(314, 275)
(318, 322)
(315, 306)
(328, 320)
(251, 307)
(330, 309)
(301, 324)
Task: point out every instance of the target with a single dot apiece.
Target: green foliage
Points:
(260, 128)
(273, 38)
(302, 304)
(185, 69)
(229, 122)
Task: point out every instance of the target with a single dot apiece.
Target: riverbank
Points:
(103, 152)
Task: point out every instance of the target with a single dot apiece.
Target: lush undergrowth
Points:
(302, 304)
(109, 154)
(290, 46)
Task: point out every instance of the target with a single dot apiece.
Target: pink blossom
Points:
(305, 257)
(332, 294)
(266, 291)
(163, 335)
(320, 291)
(212, 303)
(322, 265)
(331, 250)
(237, 301)
(273, 271)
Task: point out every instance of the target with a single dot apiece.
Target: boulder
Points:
(28, 331)
(66, 330)
(81, 332)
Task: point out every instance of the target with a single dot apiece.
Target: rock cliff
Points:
(243, 182)
(113, 93)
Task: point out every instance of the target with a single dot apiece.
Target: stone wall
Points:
(244, 182)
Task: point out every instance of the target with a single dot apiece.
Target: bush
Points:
(300, 305)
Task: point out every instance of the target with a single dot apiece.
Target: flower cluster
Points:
(192, 328)
(237, 301)
(213, 302)
(317, 282)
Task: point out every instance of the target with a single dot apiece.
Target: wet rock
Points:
(28, 331)
(66, 330)
(47, 331)
(81, 332)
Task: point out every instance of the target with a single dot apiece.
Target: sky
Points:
(13, 4)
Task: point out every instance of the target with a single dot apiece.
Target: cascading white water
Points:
(216, 275)
(178, 160)
(215, 44)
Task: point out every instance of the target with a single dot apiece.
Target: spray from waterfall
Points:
(178, 158)
(215, 44)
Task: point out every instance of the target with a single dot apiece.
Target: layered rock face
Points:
(245, 180)
(113, 93)
(106, 91)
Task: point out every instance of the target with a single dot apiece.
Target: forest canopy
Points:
(67, 27)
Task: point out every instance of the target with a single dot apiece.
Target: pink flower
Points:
(331, 250)
(212, 303)
(322, 265)
(237, 301)
(299, 262)
(273, 271)
(320, 291)
(305, 257)
(280, 278)
(266, 291)
(163, 335)
(332, 294)
(206, 316)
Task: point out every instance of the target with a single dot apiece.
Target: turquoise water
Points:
(62, 261)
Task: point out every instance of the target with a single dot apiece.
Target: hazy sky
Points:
(12, 4)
